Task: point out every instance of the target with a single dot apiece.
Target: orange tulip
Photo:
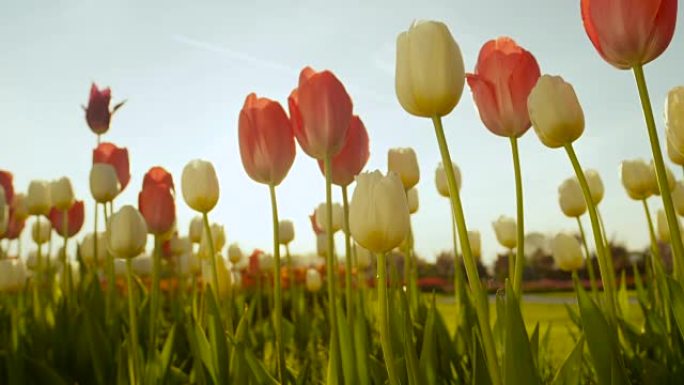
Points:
(505, 74)
(158, 176)
(75, 217)
(98, 115)
(321, 111)
(156, 201)
(116, 157)
(6, 181)
(14, 227)
(267, 144)
(627, 33)
(351, 160)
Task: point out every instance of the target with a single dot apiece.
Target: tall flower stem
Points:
(133, 326)
(609, 251)
(511, 264)
(458, 276)
(277, 294)
(677, 246)
(658, 279)
(383, 319)
(481, 300)
(348, 257)
(66, 268)
(520, 248)
(590, 263)
(214, 268)
(331, 268)
(598, 237)
(109, 268)
(154, 298)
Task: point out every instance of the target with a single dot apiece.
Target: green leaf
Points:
(346, 347)
(218, 340)
(361, 349)
(623, 296)
(44, 373)
(414, 375)
(428, 352)
(518, 361)
(480, 372)
(570, 372)
(258, 370)
(677, 301)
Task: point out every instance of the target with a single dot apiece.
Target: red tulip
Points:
(117, 158)
(98, 114)
(156, 204)
(267, 144)
(75, 217)
(505, 74)
(353, 157)
(321, 111)
(627, 33)
(14, 226)
(158, 176)
(6, 181)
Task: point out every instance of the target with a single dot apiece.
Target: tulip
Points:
(104, 184)
(653, 185)
(4, 214)
(430, 74)
(87, 248)
(674, 120)
(218, 236)
(200, 186)
(267, 144)
(555, 112)
(441, 179)
(158, 176)
(403, 162)
(98, 115)
(115, 157)
(675, 156)
(322, 245)
(628, 33)
(364, 257)
(196, 229)
(321, 112)
(157, 205)
(15, 225)
(663, 228)
(412, 200)
(127, 235)
(505, 229)
(475, 243)
(567, 252)
(314, 282)
(378, 213)
(38, 198)
(19, 206)
(265, 263)
(234, 253)
(12, 275)
(75, 217)
(678, 197)
(571, 198)
(6, 182)
(505, 74)
(225, 281)
(61, 193)
(142, 265)
(286, 232)
(636, 178)
(40, 232)
(337, 217)
(189, 264)
(353, 156)
(595, 185)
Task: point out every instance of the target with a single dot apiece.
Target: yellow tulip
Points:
(404, 163)
(412, 198)
(38, 198)
(441, 180)
(200, 186)
(555, 112)
(62, 193)
(127, 234)
(567, 252)
(104, 184)
(636, 178)
(571, 198)
(286, 232)
(505, 229)
(313, 280)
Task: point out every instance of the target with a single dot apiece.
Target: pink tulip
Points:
(98, 114)
(117, 158)
(156, 201)
(75, 218)
(351, 160)
(504, 76)
(267, 144)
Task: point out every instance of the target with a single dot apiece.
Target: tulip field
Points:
(100, 290)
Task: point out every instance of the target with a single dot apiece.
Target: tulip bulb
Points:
(218, 237)
(20, 206)
(555, 112)
(505, 229)
(322, 245)
(663, 228)
(567, 252)
(441, 179)
(403, 162)
(571, 198)
(127, 235)
(200, 186)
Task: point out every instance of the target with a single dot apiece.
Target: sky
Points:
(185, 69)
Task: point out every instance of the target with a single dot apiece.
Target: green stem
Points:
(511, 264)
(383, 319)
(66, 268)
(109, 266)
(331, 268)
(609, 250)
(598, 237)
(657, 279)
(678, 248)
(458, 276)
(133, 326)
(481, 300)
(520, 248)
(348, 258)
(278, 316)
(589, 259)
(212, 251)
(154, 298)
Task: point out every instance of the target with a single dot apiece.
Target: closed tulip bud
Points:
(675, 156)
(364, 257)
(403, 162)
(180, 245)
(189, 264)
(98, 114)
(475, 243)
(7, 183)
(441, 179)
(218, 236)
(116, 157)
(87, 248)
(61, 193)
(38, 199)
(378, 213)
(505, 229)
(571, 198)
(234, 253)
(678, 197)
(567, 252)
(196, 229)
(127, 235)
(75, 216)
(20, 207)
(322, 244)
(12, 275)
(636, 178)
(40, 232)
(286, 232)
(674, 120)
(337, 217)
(104, 184)
(158, 206)
(314, 282)
(200, 186)
(430, 74)
(142, 265)
(412, 200)
(662, 226)
(653, 185)
(555, 112)
(353, 156)
(595, 185)
(629, 33)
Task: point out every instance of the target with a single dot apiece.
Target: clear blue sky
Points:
(186, 67)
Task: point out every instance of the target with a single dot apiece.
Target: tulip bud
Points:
(200, 186)
(505, 229)
(678, 197)
(12, 275)
(412, 200)
(75, 216)
(189, 264)
(234, 253)
(378, 213)
(127, 235)
(104, 184)
(675, 156)
(314, 282)
(87, 248)
(286, 232)
(98, 115)
(180, 246)
(364, 257)
(40, 232)
(441, 179)
(142, 265)
(567, 252)
(61, 193)
(636, 178)
(353, 156)
(38, 198)
(475, 243)
(555, 112)
(218, 236)
(653, 186)
(116, 157)
(595, 185)
(4, 214)
(663, 228)
(430, 74)
(322, 244)
(337, 217)
(196, 229)
(571, 198)
(7, 183)
(674, 119)
(404, 163)
(20, 207)
(157, 205)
